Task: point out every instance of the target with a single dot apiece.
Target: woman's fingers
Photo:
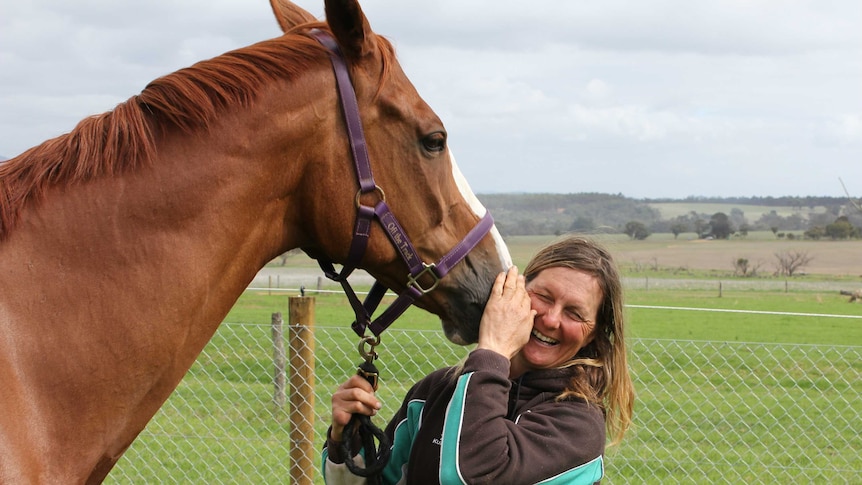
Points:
(499, 281)
(507, 319)
(506, 282)
(355, 396)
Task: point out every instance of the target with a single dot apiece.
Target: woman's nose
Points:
(551, 316)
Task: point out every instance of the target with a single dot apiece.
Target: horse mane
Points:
(188, 100)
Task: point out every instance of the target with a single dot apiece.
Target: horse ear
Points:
(350, 27)
(289, 14)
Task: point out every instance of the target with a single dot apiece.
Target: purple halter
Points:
(365, 217)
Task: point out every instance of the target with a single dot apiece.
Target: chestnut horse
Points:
(124, 243)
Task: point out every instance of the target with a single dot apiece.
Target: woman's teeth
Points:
(543, 338)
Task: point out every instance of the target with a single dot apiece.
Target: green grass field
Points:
(710, 385)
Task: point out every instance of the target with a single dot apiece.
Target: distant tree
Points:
(815, 233)
(840, 229)
(774, 230)
(582, 224)
(700, 227)
(740, 267)
(746, 268)
(822, 219)
(720, 226)
(737, 217)
(678, 228)
(791, 222)
(790, 262)
(636, 230)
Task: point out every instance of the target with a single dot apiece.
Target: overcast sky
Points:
(660, 98)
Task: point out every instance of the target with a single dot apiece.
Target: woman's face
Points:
(567, 303)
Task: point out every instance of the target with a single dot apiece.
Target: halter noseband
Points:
(365, 216)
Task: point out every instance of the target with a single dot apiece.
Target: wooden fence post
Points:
(279, 359)
(301, 338)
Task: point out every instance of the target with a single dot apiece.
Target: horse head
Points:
(414, 171)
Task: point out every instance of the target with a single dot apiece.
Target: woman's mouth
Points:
(543, 338)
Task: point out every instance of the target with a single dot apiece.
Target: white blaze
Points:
(480, 210)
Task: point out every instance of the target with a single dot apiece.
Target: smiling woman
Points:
(532, 402)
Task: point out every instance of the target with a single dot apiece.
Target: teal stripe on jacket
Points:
(450, 467)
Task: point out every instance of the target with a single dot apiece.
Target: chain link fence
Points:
(707, 412)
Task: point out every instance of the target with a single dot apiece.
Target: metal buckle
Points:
(413, 281)
(373, 378)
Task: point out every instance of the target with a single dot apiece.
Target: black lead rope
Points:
(376, 454)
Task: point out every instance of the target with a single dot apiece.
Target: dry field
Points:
(827, 257)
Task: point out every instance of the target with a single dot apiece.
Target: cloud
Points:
(660, 98)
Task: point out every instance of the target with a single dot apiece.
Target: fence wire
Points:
(707, 412)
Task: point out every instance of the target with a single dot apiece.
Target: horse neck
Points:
(179, 240)
(112, 287)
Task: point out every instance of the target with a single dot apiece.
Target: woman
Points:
(532, 402)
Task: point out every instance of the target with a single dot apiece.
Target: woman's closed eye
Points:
(576, 316)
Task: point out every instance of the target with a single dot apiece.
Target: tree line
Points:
(548, 214)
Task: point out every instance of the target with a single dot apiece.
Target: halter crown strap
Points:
(350, 107)
(394, 231)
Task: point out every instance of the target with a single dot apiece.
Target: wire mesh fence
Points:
(707, 412)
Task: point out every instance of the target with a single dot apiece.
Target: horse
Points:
(125, 242)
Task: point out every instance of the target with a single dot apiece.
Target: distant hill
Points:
(545, 214)
(784, 201)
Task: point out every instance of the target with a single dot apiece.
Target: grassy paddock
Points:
(706, 394)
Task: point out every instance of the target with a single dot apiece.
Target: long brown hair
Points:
(601, 367)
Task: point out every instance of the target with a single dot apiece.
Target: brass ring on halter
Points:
(372, 342)
(376, 189)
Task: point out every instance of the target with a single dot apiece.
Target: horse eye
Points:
(435, 142)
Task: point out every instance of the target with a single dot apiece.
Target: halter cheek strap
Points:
(365, 216)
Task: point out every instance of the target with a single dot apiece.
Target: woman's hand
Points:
(354, 396)
(508, 319)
